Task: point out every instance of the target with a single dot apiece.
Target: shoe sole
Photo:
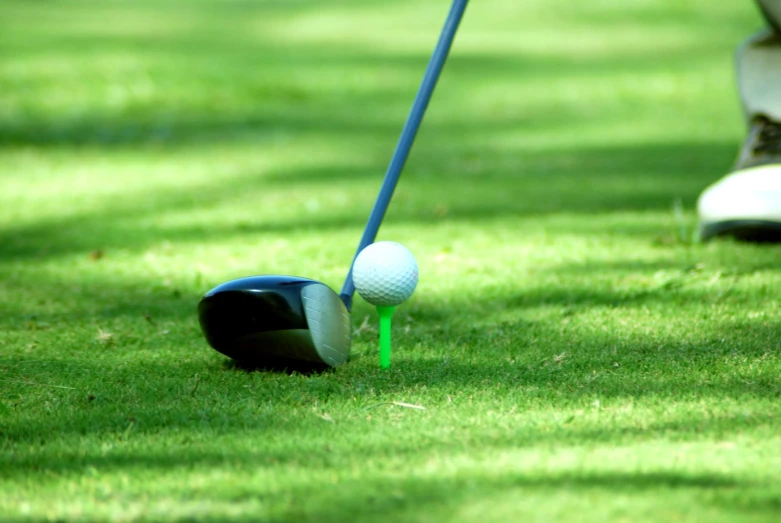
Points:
(755, 231)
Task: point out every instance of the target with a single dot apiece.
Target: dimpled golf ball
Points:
(385, 274)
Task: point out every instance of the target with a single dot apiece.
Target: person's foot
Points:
(746, 204)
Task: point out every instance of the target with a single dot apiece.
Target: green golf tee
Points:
(385, 313)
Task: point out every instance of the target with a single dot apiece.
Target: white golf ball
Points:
(385, 274)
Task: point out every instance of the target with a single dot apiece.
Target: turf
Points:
(574, 352)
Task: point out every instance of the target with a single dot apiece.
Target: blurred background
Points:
(136, 125)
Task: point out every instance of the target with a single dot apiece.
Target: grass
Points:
(578, 355)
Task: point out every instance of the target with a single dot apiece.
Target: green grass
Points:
(578, 355)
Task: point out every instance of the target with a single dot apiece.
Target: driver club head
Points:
(277, 321)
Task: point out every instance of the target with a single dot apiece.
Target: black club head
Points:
(277, 321)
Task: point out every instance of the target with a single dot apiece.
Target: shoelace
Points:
(769, 139)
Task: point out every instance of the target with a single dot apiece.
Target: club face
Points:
(277, 321)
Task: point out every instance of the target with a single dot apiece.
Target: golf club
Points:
(278, 321)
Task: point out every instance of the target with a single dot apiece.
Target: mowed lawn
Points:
(577, 354)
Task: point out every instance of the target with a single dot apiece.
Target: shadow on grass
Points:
(578, 289)
(495, 362)
(191, 423)
(623, 178)
(449, 497)
(444, 492)
(281, 102)
(482, 182)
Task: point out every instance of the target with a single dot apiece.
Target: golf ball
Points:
(385, 274)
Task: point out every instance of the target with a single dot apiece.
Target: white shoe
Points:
(746, 204)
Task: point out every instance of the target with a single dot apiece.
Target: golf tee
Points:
(385, 314)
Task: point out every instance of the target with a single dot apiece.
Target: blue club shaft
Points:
(406, 139)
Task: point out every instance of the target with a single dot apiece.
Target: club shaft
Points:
(406, 139)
